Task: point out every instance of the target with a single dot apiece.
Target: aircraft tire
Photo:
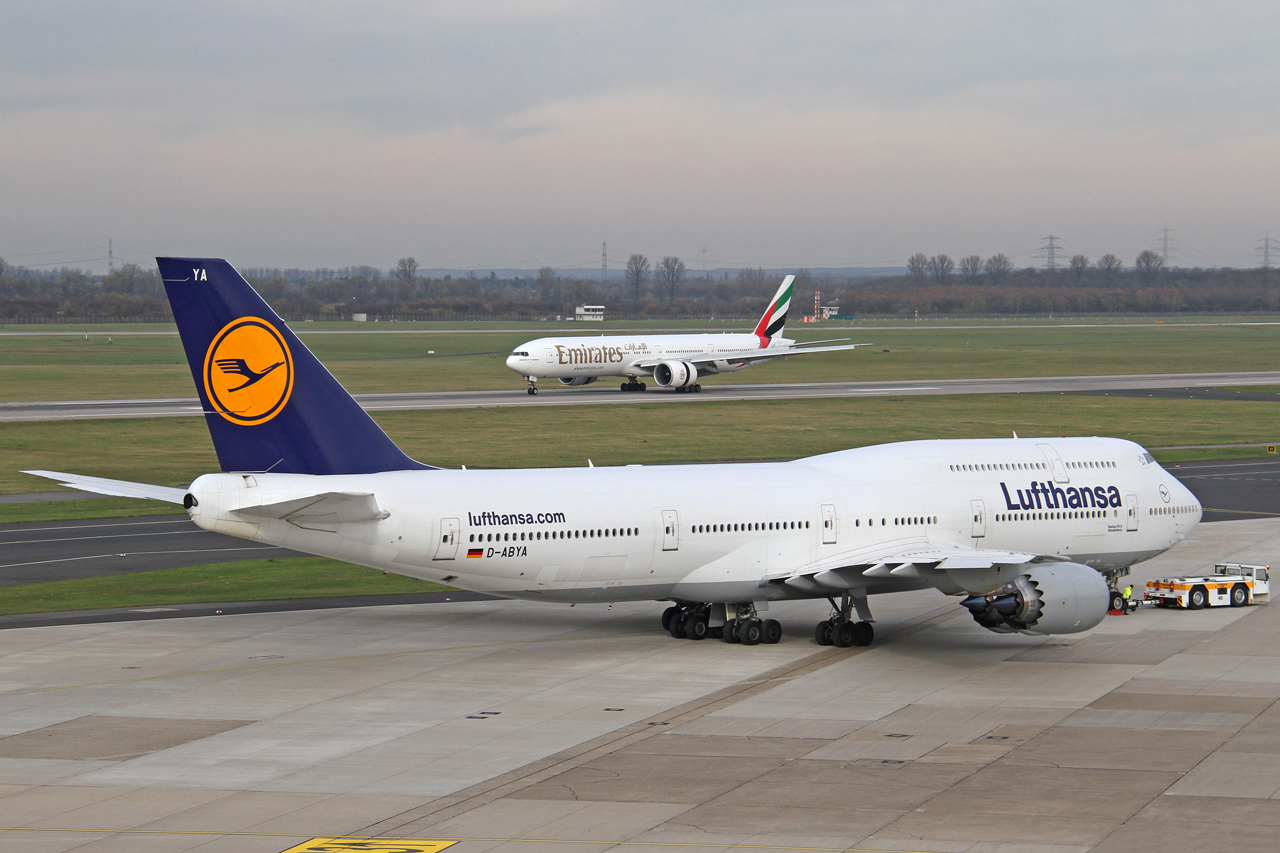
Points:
(749, 632)
(863, 633)
(1117, 601)
(533, 392)
(715, 633)
(642, 387)
(697, 389)
(668, 615)
(729, 633)
(822, 633)
(842, 634)
(695, 626)
(624, 387)
(772, 632)
(677, 626)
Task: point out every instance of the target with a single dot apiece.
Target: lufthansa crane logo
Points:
(248, 371)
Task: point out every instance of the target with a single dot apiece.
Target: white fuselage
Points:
(623, 355)
(731, 532)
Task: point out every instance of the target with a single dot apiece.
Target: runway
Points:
(495, 726)
(607, 393)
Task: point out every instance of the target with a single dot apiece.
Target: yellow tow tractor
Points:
(1234, 584)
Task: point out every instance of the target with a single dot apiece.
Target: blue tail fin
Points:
(270, 404)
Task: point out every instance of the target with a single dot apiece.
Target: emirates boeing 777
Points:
(1023, 533)
(674, 361)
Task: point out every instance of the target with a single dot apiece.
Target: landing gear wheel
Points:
(533, 392)
(842, 634)
(1239, 595)
(863, 633)
(1117, 601)
(772, 632)
(677, 626)
(822, 633)
(625, 386)
(729, 633)
(667, 616)
(695, 626)
(642, 387)
(1197, 598)
(715, 633)
(749, 632)
(697, 389)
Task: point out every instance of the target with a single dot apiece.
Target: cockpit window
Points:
(519, 352)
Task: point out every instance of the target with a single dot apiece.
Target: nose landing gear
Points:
(841, 630)
(533, 386)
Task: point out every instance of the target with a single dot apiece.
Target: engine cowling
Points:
(1051, 598)
(675, 374)
(578, 380)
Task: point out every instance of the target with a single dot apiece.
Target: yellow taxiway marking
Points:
(411, 845)
(370, 845)
(261, 666)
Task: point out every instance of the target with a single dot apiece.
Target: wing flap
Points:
(115, 488)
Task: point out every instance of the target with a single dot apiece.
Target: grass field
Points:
(69, 367)
(247, 580)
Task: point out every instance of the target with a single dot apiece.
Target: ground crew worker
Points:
(1128, 593)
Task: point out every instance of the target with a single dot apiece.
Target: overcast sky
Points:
(497, 134)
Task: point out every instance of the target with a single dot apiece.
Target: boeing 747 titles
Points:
(1024, 533)
(674, 361)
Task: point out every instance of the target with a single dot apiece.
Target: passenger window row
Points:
(753, 525)
(1170, 510)
(1052, 516)
(532, 536)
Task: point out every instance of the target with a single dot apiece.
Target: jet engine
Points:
(578, 380)
(675, 374)
(1052, 598)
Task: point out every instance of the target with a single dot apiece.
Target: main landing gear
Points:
(696, 621)
(633, 385)
(841, 630)
(690, 389)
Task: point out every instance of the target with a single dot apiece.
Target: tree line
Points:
(932, 285)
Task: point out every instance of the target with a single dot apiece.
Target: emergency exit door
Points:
(828, 524)
(979, 512)
(448, 547)
(671, 530)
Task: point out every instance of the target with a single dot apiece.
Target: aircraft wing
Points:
(902, 561)
(115, 488)
(322, 510)
(751, 355)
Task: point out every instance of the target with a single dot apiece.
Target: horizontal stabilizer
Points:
(115, 488)
(321, 510)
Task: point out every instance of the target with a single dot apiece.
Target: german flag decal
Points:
(475, 552)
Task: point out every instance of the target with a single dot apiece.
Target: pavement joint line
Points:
(1242, 512)
(452, 839)
(139, 553)
(103, 536)
(461, 802)
(261, 666)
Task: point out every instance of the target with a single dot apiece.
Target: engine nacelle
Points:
(1051, 598)
(675, 374)
(578, 380)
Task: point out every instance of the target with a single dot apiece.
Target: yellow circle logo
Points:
(248, 371)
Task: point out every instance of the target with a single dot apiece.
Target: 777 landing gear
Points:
(633, 385)
(533, 386)
(841, 630)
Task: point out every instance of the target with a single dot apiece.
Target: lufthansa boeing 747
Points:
(674, 361)
(1023, 533)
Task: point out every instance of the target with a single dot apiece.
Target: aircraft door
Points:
(828, 524)
(1055, 463)
(1130, 512)
(551, 355)
(670, 530)
(979, 509)
(448, 548)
